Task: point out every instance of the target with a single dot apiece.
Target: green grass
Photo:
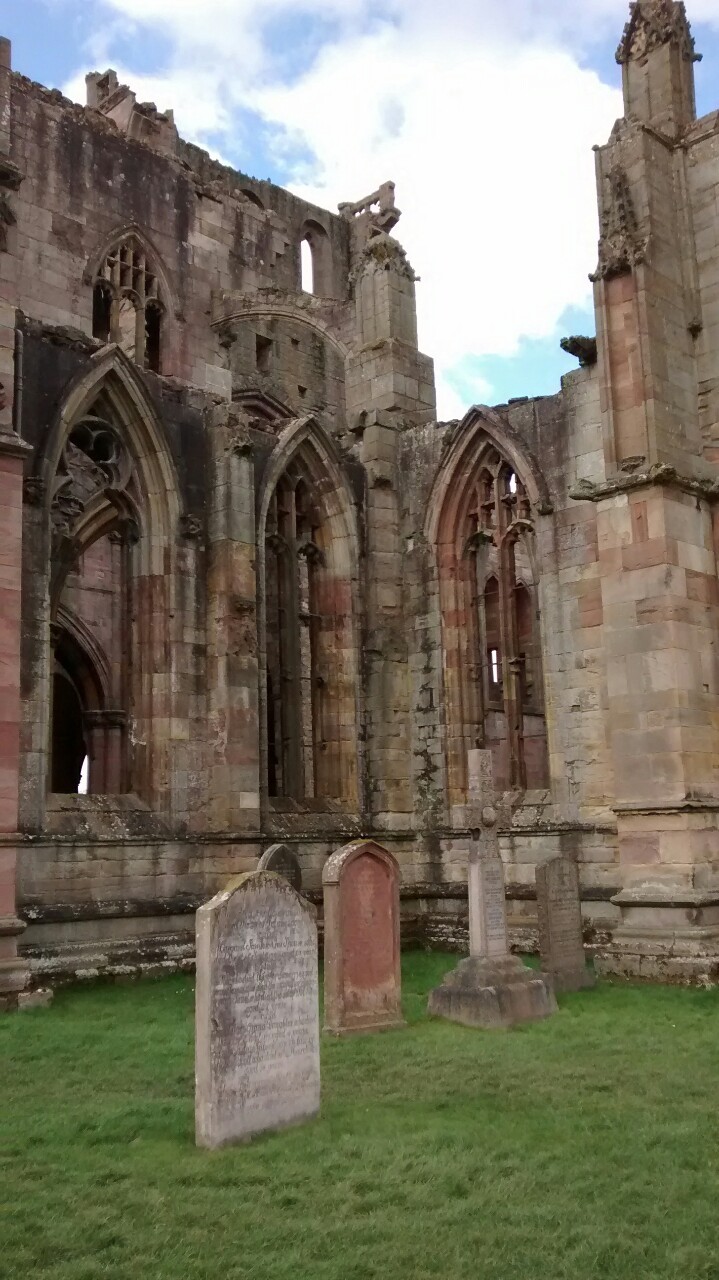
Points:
(584, 1146)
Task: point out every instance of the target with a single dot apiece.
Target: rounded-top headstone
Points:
(361, 942)
(257, 1063)
(284, 862)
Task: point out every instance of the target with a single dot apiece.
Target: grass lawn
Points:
(584, 1146)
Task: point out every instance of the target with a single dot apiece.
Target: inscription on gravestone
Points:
(257, 1014)
(282, 860)
(559, 914)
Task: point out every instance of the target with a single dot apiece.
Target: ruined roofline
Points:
(221, 179)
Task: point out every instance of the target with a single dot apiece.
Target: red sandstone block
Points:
(655, 551)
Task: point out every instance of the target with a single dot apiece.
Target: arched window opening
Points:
(487, 564)
(493, 640)
(127, 307)
(153, 326)
(526, 641)
(101, 311)
(94, 492)
(311, 749)
(308, 267)
(68, 745)
(315, 260)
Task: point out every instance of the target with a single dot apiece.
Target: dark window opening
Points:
(263, 353)
(69, 749)
(101, 312)
(302, 392)
(153, 327)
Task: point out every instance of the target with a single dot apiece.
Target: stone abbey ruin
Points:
(252, 592)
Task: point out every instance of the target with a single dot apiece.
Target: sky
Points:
(483, 112)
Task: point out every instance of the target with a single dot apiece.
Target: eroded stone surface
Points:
(361, 940)
(257, 1014)
(560, 925)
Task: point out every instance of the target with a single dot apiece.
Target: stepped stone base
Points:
(493, 993)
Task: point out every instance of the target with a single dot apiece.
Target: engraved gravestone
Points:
(282, 860)
(492, 988)
(256, 1012)
(559, 914)
(361, 941)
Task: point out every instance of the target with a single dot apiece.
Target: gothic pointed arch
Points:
(308, 581)
(110, 518)
(481, 522)
(132, 303)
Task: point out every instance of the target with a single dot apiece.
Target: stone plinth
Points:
(284, 862)
(482, 992)
(257, 1011)
(362, 948)
(559, 914)
(492, 988)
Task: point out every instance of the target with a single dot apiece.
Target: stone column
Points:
(233, 801)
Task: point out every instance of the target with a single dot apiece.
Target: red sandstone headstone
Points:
(361, 942)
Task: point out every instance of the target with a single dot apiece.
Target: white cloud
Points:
(481, 113)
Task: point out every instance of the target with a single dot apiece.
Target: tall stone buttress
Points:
(656, 507)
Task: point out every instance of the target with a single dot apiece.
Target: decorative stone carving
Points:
(653, 23)
(191, 527)
(621, 246)
(585, 349)
(94, 461)
(33, 491)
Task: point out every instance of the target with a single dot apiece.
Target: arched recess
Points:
(315, 260)
(133, 303)
(109, 517)
(308, 619)
(482, 525)
(305, 310)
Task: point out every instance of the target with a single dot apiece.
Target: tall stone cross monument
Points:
(492, 988)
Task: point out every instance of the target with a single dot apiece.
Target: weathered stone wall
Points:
(362, 596)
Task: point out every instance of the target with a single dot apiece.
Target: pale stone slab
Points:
(559, 913)
(286, 863)
(363, 986)
(257, 1061)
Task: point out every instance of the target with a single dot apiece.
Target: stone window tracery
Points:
(127, 306)
(309, 677)
(488, 589)
(93, 500)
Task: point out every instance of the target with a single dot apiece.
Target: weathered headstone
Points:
(282, 860)
(361, 941)
(492, 988)
(257, 1063)
(559, 912)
